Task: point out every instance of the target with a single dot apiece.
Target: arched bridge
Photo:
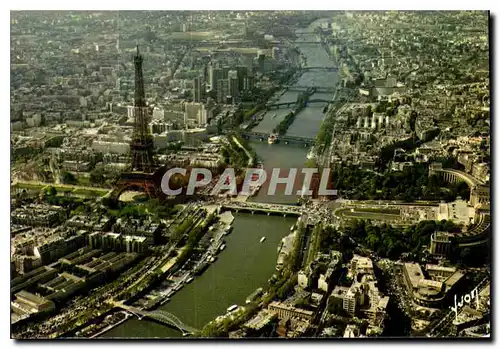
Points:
(160, 316)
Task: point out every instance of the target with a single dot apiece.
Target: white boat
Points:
(212, 259)
(231, 308)
(262, 239)
(274, 115)
(310, 155)
(189, 280)
(223, 247)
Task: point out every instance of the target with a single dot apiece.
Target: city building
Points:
(28, 303)
(428, 292)
(350, 300)
(261, 320)
(286, 311)
(303, 279)
(441, 243)
(233, 85)
(198, 89)
(457, 211)
(195, 115)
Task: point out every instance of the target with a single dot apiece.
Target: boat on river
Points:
(310, 155)
(232, 307)
(262, 239)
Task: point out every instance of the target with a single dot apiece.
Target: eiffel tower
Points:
(140, 174)
(141, 147)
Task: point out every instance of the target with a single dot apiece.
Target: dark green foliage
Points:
(387, 152)
(390, 242)
(51, 191)
(283, 125)
(413, 183)
(68, 178)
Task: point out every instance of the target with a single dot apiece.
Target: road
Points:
(250, 157)
(69, 186)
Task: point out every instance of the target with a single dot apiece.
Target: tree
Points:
(97, 177)
(51, 191)
(68, 178)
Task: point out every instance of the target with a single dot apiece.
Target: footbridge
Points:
(269, 209)
(160, 316)
(306, 142)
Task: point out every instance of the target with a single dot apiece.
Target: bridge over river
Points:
(284, 138)
(269, 209)
(290, 104)
(329, 69)
(317, 89)
(161, 316)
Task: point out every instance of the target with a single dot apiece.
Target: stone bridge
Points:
(269, 209)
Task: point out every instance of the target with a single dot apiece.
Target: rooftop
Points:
(414, 273)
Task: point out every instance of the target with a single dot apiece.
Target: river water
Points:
(243, 266)
(247, 264)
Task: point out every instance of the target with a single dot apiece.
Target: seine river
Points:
(246, 264)
(243, 266)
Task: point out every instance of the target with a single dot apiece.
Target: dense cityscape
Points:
(394, 104)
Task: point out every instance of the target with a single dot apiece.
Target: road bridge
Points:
(329, 69)
(158, 315)
(290, 104)
(305, 141)
(317, 89)
(269, 209)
